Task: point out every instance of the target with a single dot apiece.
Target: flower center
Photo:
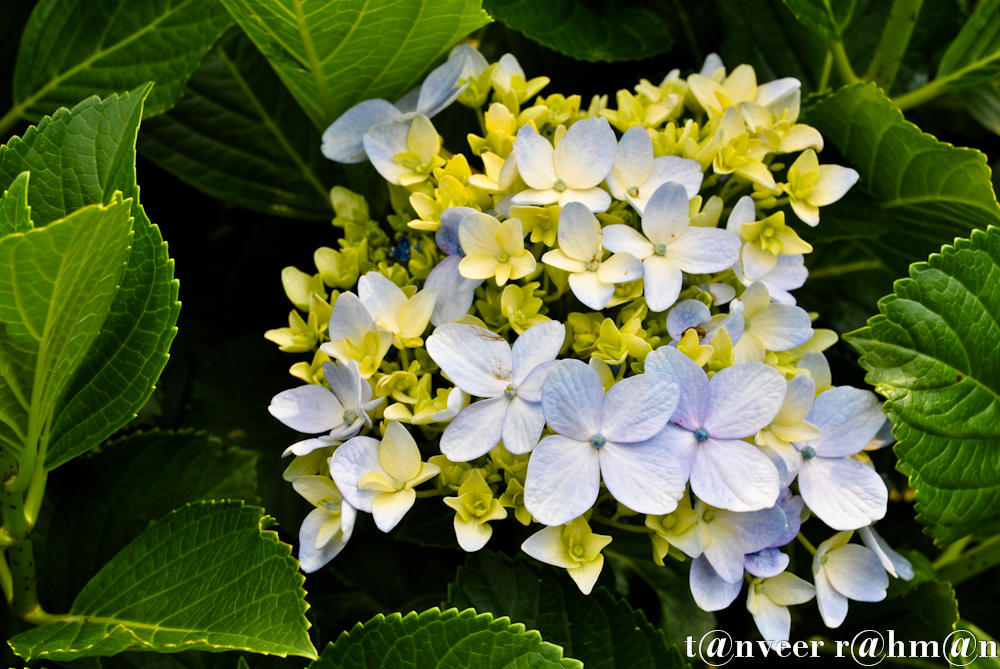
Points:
(668, 522)
(503, 257)
(509, 392)
(709, 516)
(350, 416)
(559, 185)
(598, 440)
(823, 559)
(701, 434)
(592, 265)
(660, 249)
(634, 191)
(809, 453)
(577, 551)
(398, 484)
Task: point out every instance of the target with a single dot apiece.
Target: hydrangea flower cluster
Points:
(588, 320)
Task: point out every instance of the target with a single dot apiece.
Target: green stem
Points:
(805, 542)
(9, 120)
(482, 120)
(824, 78)
(628, 528)
(984, 556)
(925, 93)
(847, 268)
(36, 491)
(895, 38)
(953, 551)
(843, 63)
(6, 580)
(404, 359)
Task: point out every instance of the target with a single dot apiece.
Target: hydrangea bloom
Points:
(614, 288)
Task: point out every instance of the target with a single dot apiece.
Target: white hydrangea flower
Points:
(768, 326)
(613, 436)
(328, 527)
(811, 185)
(569, 172)
(713, 417)
(378, 477)
(790, 424)
(636, 174)
(483, 364)
(844, 571)
(768, 600)
(355, 336)
(343, 408)
(765, 241)
(406, 317)
(669, 246)
(343, 141)
(843, 492)
(789, 273)
(892, 562)
(581, 253)
(695, 314)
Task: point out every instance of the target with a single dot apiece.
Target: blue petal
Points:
(343, 141)
(765, 563)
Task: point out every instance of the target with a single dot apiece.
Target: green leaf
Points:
(77, 157)
(80, 157)
(974, 56)
(932, 353)
(826, 18)
(790, 50)
(107, 501)
(438, 639)
(13, 17)
(74, 48)
(15, 214)
(915, 193)
(613, 33)
(239, 135)
(120, 371)
(332, 55)
(928, 611)
(597, 629)
(206, 577)
(57, 284)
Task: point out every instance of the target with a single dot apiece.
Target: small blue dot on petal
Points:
(701, 434)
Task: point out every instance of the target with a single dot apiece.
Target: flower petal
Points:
(843, 493)
(710, 591)
(774, 622)
(744, 399)
(476, 360)
(620, 268)
(733, 475)
(383, 143)
(625, 239)
(590, 290)
(644, 476)
(579, 233)
(382, 299)
(782, 327)
(766, 562)
(538, 344)
(471, 534)
(594, 199)
(693, 402)
(834, 182)
(585, 154)
(441, 87)
(522, 426)
(832, 605)
(572, 398)
(475, 430)
(535, 158)
(637, 408)
(849, 418)
(633, 162)
(686, 314)
(389, 508)
(704, 250)
(547, 546)
(343, 141)
(455, 292)
(312, 558)
(662, 283)
(352, 460)
(309, 409)
(477, 233)
(398, 453)
(563, 480)
(857, 574)
(666, 214)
